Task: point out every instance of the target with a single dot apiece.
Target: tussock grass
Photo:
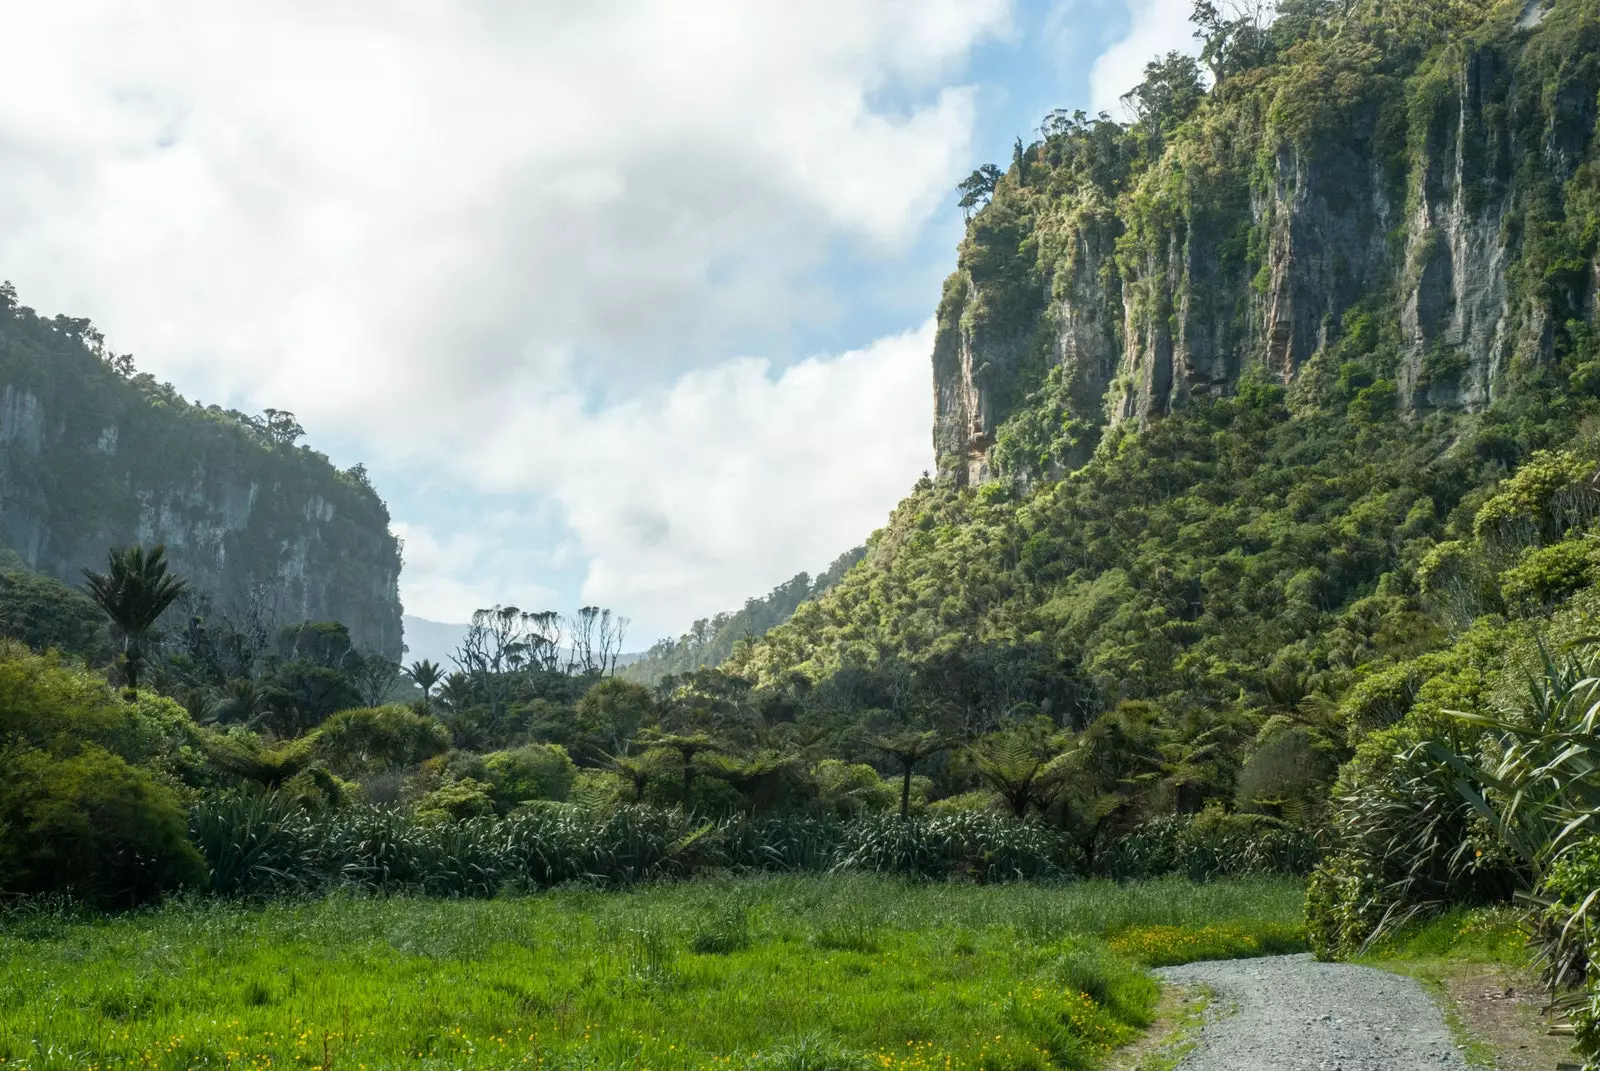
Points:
(817, 973)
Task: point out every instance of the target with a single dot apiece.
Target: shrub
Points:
(92, 826)
(374, 738)
(49, 705)
(1408, 842)
(1211, 844)
(1550, 494)
(77, 816)
(534, 772)
(1543, 576)
(847, 789)
(978, 846)
(465, 798)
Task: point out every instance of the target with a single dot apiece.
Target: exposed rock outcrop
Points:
(89, 459)
(1419, 197)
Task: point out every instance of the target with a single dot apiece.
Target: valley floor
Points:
(804, 972)
(1291, 1013)
(1453, 993)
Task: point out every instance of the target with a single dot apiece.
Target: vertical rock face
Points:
(1437, 202)
(1328, 218)
(1457, 314)
(89, 460)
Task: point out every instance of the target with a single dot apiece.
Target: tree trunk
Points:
(132, 655)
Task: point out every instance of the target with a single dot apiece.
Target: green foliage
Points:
(1551, 494)
(674, 976)
(709, 642)
(848, 789)
(532, 772)
(77, 816)
(1174, 566)
(613, 712)
(457, 800)
(374, 738)
(1546, 576)
(1209, 845)
(46, 614)
(92, 826)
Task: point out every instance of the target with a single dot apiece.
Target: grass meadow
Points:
(813, 973)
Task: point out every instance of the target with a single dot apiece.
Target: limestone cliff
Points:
(90, 458)
(1428, 183)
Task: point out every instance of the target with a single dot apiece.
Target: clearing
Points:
(841, 971)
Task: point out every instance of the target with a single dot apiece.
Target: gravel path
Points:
(1291, 1013)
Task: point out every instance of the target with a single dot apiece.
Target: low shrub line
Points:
(264, 844)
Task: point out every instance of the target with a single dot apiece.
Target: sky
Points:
(622, 303)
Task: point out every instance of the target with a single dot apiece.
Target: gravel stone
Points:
(1291, 1013)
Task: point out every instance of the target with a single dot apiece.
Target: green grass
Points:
(1481, 935)
(814, 973)
(1462, 940)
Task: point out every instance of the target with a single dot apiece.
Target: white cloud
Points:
(520, 240)
(694, 498)
(324, 204)
(1158, 27)
(734, 479)
(447, 577)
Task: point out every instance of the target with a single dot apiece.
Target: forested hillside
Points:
(1214, 389)
(1268, 469)
(94, 453)
(710, 641)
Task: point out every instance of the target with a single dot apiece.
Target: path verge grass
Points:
(804, 973)
(1475, 962)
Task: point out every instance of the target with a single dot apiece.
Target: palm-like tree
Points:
(637, 770)
(686, 746)
(456, 691)
(134, 592)
(425, 675)
(909, 749)
(1025, 766)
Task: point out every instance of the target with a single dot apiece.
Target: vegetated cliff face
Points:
(90, 459)
(1211, 389)
(1423, 176)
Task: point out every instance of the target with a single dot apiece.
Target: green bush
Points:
(534, 772)
(94, 827)
(457, 800)
(1209, 845)
(1543, 576)
(46, 614)
(77, 816)
(847, 789)
(1406, 841)
(374, 738)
